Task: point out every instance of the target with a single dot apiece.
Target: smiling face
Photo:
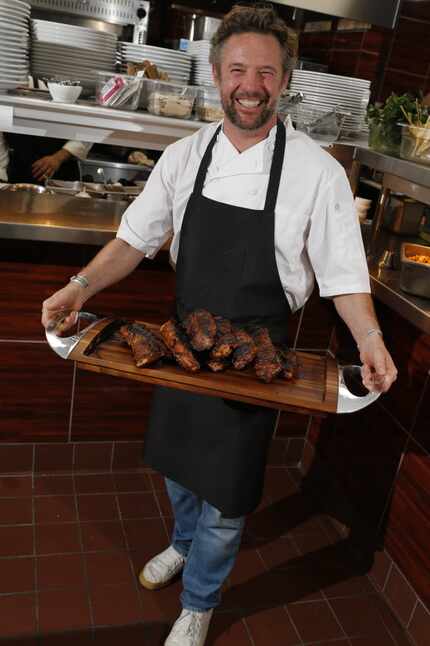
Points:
(250, 78)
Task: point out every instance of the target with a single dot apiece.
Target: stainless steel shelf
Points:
(88, 122)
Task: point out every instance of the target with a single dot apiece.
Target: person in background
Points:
(4, 158)
(36, 159)
(256, 211)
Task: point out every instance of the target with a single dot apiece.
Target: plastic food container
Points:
(208, 105)
(415, 276)
(415, 144)
(169, 99)
(118, 90)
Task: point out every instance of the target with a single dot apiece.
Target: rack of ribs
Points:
(245, 351)
(147, 347)
(201, 329)
(178, 344)
(267, 364)
(225, 339)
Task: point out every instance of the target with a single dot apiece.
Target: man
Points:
(252, 209)
(35, 159)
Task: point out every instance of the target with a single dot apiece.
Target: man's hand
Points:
(378, 371)
(60, 311)
(46, 167)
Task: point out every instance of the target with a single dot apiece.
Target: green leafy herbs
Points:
(383, 119)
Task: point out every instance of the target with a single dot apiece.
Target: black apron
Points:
(26, 149)
(226, 264)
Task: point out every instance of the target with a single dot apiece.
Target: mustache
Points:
(260, 96)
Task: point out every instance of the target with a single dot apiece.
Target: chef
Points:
(255, 211)
(35, 159)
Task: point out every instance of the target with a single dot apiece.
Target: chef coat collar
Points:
(227, 161)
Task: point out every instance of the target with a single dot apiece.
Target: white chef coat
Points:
(79, 149)
(316, 229)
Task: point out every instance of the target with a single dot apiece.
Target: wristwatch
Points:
(80, 280)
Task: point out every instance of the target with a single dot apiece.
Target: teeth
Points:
(248, 103)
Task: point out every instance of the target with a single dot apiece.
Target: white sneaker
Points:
(160, 570)
(190, 629)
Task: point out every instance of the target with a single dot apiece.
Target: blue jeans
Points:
(209, 543)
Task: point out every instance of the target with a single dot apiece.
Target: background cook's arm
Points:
(378, 371)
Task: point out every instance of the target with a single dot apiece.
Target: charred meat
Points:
(225, 339)
(217, 365)
(245, 351)
(178, 344)
(267, 364)
(147, 347)
(201, 329)
(289, 364)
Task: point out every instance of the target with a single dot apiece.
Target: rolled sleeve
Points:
(335, 246)
(148, 223)
(79, 149)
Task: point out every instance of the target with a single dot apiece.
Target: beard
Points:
(266, 114)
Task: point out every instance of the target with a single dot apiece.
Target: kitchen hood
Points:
(378, 12)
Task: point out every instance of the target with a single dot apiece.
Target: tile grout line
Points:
(83, 557)
(36, 583)
(128, 550)
(345, 634)
(154, 491)
(248, 631)
(417, 602)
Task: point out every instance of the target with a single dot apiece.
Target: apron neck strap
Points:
(275, 170)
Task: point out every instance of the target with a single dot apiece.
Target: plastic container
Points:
(169, 99)
(415, 144)
(208, 105)
(118, 90)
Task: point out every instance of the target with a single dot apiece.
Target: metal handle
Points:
(64, 346)
(347, 401)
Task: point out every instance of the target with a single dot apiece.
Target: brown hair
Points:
(259, 20)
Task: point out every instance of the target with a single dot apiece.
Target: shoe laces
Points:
(165, 567)
(190, 623)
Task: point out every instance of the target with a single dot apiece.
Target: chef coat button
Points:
(337, 206)
(253, 191)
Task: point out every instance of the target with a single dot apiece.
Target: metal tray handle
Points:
(348, 402)
(64, 346)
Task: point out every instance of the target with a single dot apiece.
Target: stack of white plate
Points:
(71, 52)
(327, 91)
(14, 43)
(175, 63)
(202, 69)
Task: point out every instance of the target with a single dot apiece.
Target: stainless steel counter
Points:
(409, 171)
(58, 218)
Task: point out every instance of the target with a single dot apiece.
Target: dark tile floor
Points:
(71, 546)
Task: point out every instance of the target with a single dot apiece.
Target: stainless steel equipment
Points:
(112, 172)
(403, 215)
(415, 276)
(380, 12)
(205, 27)
(121, 12)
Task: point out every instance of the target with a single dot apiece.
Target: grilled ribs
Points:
(178, 344)
(225, 340)
(201, 329)
(245, 351)
(217, 365)
(147, 347)
(267, 364)
(289, 364)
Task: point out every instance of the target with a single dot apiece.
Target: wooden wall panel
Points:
(408, 522)
(35, 393)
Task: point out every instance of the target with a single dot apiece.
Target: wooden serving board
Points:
(314, 390)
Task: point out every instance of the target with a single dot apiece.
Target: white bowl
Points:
(64, 93)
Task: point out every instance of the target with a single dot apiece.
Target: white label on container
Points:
(6, 116)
